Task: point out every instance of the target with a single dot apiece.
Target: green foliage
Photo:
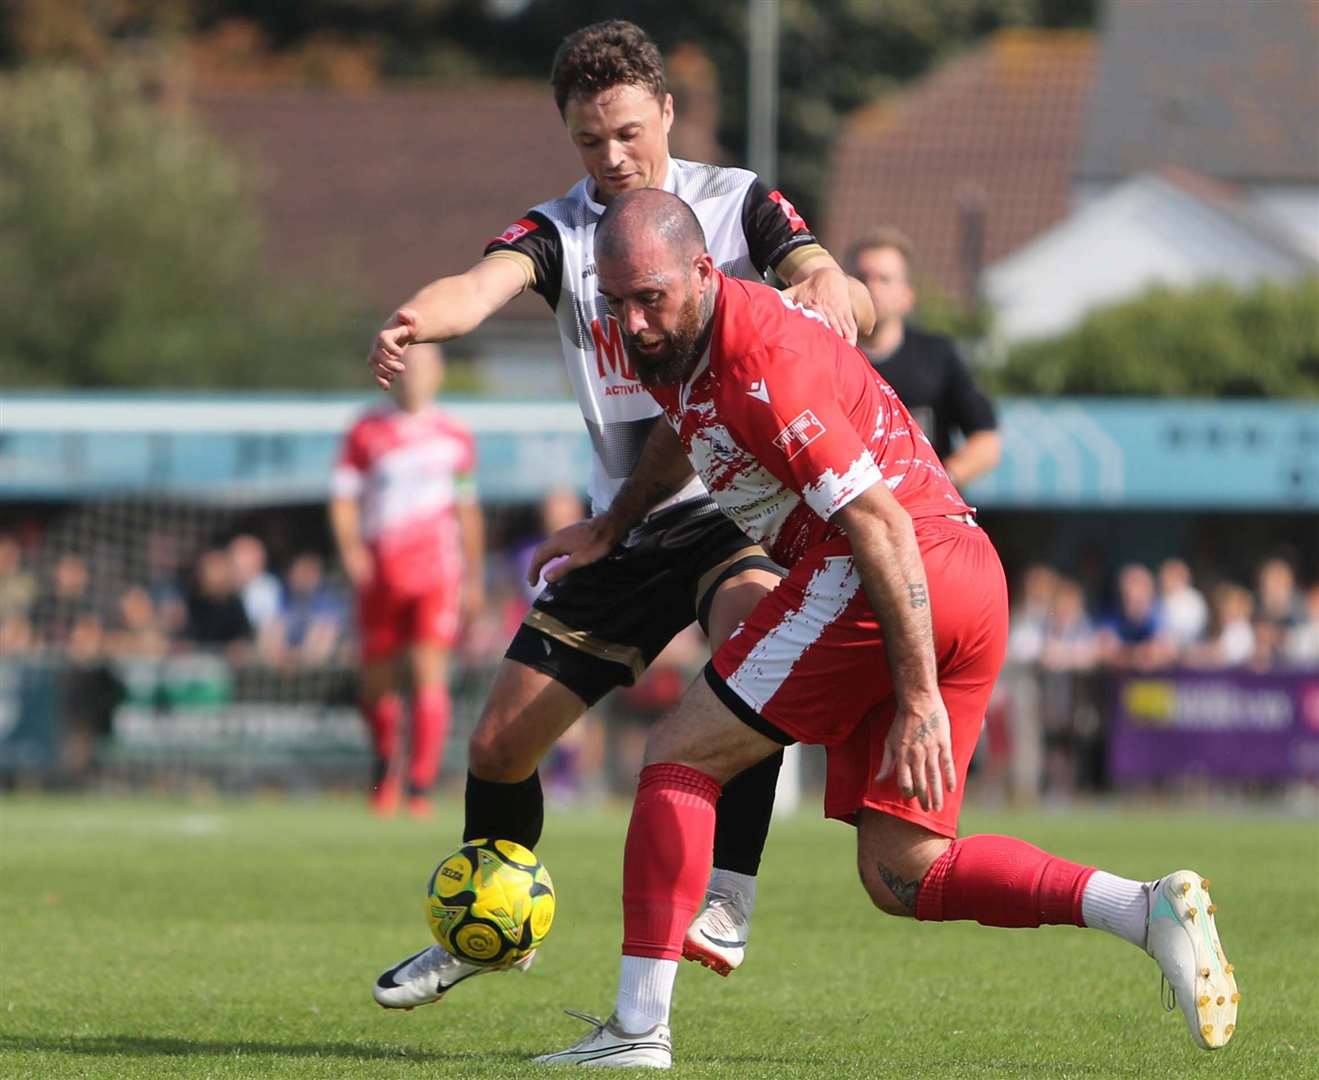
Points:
(1206, 342)
(940, 314)
(132, 255)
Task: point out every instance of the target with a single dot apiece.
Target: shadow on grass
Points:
(126, 1045)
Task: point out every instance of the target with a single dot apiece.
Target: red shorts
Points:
(810, 661)
(389, 620)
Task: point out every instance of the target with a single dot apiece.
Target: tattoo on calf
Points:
(904, 891)
(918, 595)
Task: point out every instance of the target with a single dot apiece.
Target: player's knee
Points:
(882, 895)
(377, 681)
(665, 744)
(892, 857)
(491, 755)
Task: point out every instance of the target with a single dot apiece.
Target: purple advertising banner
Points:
(1224, 723)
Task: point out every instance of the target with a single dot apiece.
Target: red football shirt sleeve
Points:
(790, 419)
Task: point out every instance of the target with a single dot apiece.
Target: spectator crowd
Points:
(229, 599)
(1162, 618)
(226, 600)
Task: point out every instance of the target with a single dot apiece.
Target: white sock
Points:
(730, 882)
(645, 990)
(1118, 905)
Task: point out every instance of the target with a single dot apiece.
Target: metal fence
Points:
(195, 718)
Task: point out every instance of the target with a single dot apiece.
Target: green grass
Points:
(159, 939)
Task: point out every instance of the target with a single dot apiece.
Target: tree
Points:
(132, 255)
(1206, 342)
(836, 54)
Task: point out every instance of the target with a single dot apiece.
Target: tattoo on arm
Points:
(918, 595)
(904, 891)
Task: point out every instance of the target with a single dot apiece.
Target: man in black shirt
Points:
(924, 369)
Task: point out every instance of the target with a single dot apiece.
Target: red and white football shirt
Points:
(408, 471)
(786, 423)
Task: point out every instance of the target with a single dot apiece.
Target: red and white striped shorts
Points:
(810, 661)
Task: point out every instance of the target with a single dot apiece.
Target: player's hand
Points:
(825, 292)
(583, 542)
(919, 748)
(386, 356)
(359, 566)
(473, 598)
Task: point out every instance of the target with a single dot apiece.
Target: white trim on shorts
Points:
(771, 660)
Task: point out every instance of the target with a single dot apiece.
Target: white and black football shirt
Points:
(748, 230)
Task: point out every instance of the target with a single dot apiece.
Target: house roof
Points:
(1169, 227)
(1227, 88)
(393, 188)
(997, 128)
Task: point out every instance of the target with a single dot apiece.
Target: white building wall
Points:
(1143, 233)
(1294, 209)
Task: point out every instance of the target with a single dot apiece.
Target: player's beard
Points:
(683, 346)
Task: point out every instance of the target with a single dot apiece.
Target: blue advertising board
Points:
(1064, 453)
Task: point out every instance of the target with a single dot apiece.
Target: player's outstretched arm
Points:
(444, 309)
(820, 284)
(919, 745)
(662, 470)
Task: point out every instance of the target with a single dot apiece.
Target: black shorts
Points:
(602, 625)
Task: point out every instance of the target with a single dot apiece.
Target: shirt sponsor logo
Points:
(611, 358)
(795, 220)
(516, 231)
(801, 431)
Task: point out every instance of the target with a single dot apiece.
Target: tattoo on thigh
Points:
(918, 595)
(904, 891)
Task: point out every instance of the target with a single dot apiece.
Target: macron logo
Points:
(759, 390)
(801, 431)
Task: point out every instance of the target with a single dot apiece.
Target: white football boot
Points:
(427, 976)
(718, 935)
(1182, 937)
(610, 1047)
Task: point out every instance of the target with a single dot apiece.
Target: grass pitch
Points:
(158, 939)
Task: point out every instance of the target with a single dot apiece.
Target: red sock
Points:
(430, 729)
(667, 859)
(1002, 881)
(382, 718)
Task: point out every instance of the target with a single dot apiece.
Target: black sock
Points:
(498, 811)
(742, 816)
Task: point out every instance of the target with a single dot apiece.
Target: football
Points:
(491, 902)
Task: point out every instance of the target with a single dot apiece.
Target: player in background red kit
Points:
(882, 644)
(406, 519)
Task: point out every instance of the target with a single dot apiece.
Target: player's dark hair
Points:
(651, 208)
(881, 236)
(603, 55)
